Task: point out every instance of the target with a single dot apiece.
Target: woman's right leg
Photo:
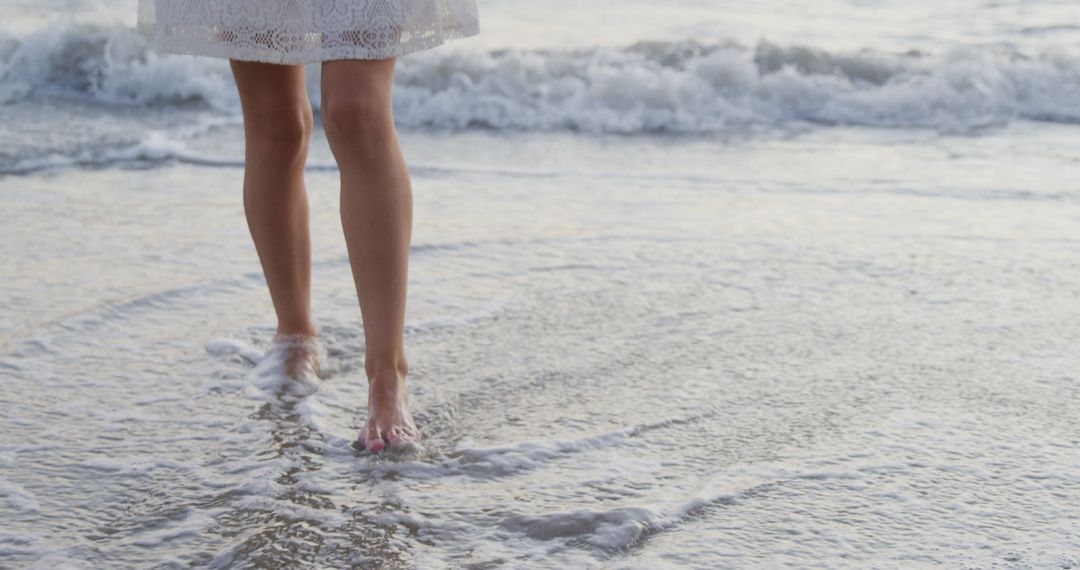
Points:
(277, 128)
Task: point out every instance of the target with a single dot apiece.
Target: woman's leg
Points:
(277, 128)
(376, 214)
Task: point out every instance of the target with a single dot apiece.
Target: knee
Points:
(280, 133)
(356, 120)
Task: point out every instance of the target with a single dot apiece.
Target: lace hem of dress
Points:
(315, 47)
(304, 31)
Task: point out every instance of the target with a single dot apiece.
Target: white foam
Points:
(226, 346)
(712, 88)
(645, 87)
(270, 382)
(112, 64)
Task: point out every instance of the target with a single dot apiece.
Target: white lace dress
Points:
(304, 31)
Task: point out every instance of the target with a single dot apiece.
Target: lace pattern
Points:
(304, 31)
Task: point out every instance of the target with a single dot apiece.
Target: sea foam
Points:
(649, 86)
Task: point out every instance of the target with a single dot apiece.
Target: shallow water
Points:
(637, 353)
(705, 286)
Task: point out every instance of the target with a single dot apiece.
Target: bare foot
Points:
(390, 423)
(300, 356)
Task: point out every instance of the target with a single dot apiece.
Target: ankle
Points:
(296, 330)
(380, 371)
(386, 380)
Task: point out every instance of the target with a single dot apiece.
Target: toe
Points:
(403, 437)
(393, 437)
(373, 440)
(399, 435)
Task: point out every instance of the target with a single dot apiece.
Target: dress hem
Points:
(162, 44)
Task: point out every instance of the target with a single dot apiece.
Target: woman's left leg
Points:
(376, 214)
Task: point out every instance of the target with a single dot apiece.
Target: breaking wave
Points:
(642, 88)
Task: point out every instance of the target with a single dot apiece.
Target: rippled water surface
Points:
(656, 353)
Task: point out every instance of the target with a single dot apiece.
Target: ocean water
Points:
(694, 284)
